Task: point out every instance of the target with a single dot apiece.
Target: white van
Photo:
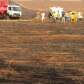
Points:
(14, 11)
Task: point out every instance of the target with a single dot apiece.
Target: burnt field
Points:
(36, 53)
(32, 52)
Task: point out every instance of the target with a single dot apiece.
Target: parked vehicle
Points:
(14, 11)
(3, 8)
(75, 16)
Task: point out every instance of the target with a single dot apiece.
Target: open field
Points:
(41, 53)
(43, 5)
(33, 53)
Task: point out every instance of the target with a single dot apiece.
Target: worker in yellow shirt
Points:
(74, 17)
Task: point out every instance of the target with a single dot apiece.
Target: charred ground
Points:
(41, 53)
(33, 53)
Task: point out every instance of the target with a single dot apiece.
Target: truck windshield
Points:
(16, 9)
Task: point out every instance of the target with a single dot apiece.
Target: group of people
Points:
(63, 19)
(61, 15)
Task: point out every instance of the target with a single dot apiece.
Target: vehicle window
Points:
(16, 8)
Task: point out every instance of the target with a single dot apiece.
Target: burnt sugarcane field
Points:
(42, 50)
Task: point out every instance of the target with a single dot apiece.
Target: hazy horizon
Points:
(45, 4)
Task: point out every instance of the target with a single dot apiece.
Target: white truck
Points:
(14, 11)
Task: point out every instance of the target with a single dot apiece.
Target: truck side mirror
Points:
(9, 8)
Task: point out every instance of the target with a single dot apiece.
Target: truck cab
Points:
(14, 11)
(3, 8)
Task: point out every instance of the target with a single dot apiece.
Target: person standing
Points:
(63, 17)
(42, 17)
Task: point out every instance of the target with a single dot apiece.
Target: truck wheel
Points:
(10, 17)
(6, 17)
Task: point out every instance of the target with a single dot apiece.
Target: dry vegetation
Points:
(41, 53)
(33, 53)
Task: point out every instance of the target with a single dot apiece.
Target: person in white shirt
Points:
(42, 17)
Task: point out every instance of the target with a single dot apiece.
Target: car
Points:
(14, 11)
